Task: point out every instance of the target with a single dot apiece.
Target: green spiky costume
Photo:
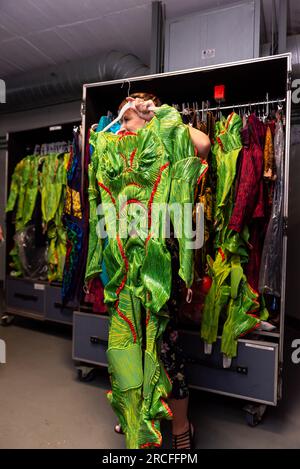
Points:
(155, 165)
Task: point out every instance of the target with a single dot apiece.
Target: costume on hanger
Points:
(52, 186)
(23, 194)
(249, 201)
(270, 272)
(230, 294)
(154, 165)
(73, 222)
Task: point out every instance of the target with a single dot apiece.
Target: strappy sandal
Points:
(184, 440)
(118, 429)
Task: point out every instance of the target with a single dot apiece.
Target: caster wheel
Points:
(7, 320)
(252, 419)
(85, 373)
(254, 413)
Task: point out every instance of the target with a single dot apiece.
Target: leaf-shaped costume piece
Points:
(156, 165)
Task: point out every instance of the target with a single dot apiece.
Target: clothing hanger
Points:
(121, 114)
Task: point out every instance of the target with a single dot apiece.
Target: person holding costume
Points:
(151, 160)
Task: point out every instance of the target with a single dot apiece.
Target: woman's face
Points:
(131, 122)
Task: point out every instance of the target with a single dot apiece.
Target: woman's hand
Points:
(144, 109)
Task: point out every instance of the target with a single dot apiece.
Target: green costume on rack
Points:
(26, 182)
(155, 165)
(53, 179)
(23, 193)
(230, 294)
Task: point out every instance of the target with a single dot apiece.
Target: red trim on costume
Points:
(125, 134)
(161, 169)
(222, 254)
(201, 175)
(121, 288)
(156, 445)
(220, 142)
(229, 119)
(250, 330)
(251, 313)
(253, 290)
(132, 157)
(147, 318)
(108, 191)
(166, 407)
(132, 201)
(125, 318)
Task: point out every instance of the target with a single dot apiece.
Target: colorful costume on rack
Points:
(73, 220)
(154, 165)
(249, 204)
(230, 295)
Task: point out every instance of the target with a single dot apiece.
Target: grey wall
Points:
(41, 117)
(213, 37)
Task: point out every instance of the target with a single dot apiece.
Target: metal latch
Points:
(83, 108)
(289, 81)
(285, 226)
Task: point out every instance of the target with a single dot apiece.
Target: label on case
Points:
(39, 286)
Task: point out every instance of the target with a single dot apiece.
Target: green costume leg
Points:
(126, 364)
(241, 318)
(217, 297)
(156, 385)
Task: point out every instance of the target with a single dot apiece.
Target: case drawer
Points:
(90, 338)
(253, 374)
(55, 311)
(26, 296)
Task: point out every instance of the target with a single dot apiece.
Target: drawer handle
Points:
(98, 340)
(61, 306)
(242, 370)
(23, 296)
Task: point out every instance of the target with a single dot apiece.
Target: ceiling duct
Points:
(63, 83)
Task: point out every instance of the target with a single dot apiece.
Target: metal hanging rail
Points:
(233, 106)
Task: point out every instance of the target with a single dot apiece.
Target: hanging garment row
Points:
(36, 198)
(241, 194)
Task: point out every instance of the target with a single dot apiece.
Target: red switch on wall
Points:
(219, 92)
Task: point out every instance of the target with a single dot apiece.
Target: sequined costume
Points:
(154, 165)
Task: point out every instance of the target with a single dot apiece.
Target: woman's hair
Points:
(144, 97)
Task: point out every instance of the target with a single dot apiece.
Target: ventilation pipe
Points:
(63, 83)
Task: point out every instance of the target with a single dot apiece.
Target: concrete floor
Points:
(43, 405)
